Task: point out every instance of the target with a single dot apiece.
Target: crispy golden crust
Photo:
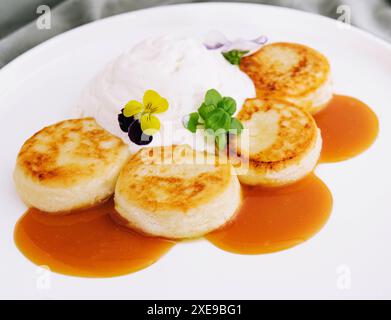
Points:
(282, 70)
(68, 152)
(168, 179)
(281, 134)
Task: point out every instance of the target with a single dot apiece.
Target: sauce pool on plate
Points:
(86, 243)
(94, 243)
(274, 219)
(348, 127)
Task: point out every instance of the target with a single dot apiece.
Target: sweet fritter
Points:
(69, 165)
(176, 192)
(290, 72)
(284, 142)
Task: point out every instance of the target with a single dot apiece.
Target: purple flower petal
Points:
(260, 40)
(216, 40)
(214, 46)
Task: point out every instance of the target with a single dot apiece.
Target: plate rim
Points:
(23, 58)
(44, 46)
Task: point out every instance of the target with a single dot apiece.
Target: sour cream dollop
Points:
(180, 69)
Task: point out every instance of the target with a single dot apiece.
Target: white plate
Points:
(349, 258)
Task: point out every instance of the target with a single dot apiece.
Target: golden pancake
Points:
(176, 192)
(291, 72)
(284, 142)
(69, 165)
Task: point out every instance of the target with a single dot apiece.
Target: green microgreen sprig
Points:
(216, 116)
(234, 56)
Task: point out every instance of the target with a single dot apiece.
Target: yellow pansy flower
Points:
(152, 103)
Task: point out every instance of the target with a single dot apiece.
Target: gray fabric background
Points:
(18, 30)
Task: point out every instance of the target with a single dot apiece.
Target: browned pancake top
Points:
(286, 70)
(68, 152)
(280, 133)
(170, 179)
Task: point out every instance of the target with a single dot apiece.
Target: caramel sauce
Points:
(95, 243)
(348, 126)
(86, 243)
(274, 219)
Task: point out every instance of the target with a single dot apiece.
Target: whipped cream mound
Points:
(180, 69)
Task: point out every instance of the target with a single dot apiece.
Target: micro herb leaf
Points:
(228, 105)
(205, 110)
(234, 56)
(218, 119)
(193, 122)
(236, 126)
(216, 116)
(212, 97)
